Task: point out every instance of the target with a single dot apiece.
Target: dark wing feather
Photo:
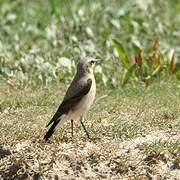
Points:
(67, 104)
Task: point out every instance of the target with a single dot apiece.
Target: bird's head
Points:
(86, 65)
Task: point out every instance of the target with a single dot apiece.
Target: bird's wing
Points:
(67, 104)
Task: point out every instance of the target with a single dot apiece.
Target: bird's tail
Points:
(50, 131)
(54, 127)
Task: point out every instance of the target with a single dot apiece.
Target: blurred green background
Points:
(136, 41)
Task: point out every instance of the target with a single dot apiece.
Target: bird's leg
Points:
(81, 120)
(72, 128)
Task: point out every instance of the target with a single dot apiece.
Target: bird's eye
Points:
(92, 62)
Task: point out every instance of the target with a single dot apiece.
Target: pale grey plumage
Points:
(78, 98)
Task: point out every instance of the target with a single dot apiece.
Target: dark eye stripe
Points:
(92, 62)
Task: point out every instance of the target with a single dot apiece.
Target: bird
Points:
(78, 98)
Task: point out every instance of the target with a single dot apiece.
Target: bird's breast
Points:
(84, 105)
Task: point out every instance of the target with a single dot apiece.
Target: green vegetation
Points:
(41, 43)
(134, 122)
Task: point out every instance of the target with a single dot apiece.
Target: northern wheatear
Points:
(78, 98)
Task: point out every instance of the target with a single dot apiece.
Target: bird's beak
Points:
(97, 61)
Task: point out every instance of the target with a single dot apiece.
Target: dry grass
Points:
(135, 134)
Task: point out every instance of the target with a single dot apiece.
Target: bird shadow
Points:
(4, 152)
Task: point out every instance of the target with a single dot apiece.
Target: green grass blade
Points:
(157, 70)
(122, 54)
(128, 74)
